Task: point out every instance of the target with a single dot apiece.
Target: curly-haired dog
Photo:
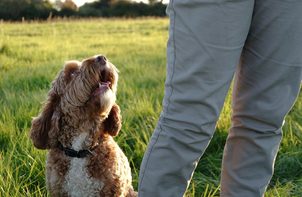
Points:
(76, 124)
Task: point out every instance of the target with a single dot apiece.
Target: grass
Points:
(32, 53)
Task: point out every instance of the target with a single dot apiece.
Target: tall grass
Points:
(32, 53)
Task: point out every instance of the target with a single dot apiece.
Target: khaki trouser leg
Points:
(205, 43)
(266, 86)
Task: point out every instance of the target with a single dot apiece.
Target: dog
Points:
(77, 124)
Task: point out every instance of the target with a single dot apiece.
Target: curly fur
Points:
(80, 112)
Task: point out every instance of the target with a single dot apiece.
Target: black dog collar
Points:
(78, 154)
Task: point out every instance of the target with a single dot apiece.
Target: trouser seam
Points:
(168, 99)
(173, 63)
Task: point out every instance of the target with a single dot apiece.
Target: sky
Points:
(82, 2)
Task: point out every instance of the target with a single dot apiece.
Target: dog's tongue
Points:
(103, 86)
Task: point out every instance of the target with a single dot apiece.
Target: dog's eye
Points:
(73, 74)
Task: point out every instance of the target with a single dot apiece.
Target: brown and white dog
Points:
(77, 125)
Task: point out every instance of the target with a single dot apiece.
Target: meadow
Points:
(32, 53)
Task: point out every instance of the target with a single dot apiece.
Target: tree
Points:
(69, 4)
(42, 9)
(66, 8)
(151, 2)
(11, 9)
(28, 9)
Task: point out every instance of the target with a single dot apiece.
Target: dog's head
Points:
(81, 99)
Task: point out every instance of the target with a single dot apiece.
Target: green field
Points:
(32, 53)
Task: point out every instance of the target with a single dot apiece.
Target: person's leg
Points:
(266, 85)
(205, 43)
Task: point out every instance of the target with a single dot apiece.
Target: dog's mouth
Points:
(101, 88)
(105, 78)
(103, 85)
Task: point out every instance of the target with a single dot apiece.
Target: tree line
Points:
(44, 9)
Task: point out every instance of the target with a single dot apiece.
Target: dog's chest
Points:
(78, 183)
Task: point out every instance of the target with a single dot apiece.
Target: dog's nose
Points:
(102, 59)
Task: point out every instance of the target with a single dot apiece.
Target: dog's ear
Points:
(113, 123)
(47, 123)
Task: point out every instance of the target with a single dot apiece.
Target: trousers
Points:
(211, 41)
